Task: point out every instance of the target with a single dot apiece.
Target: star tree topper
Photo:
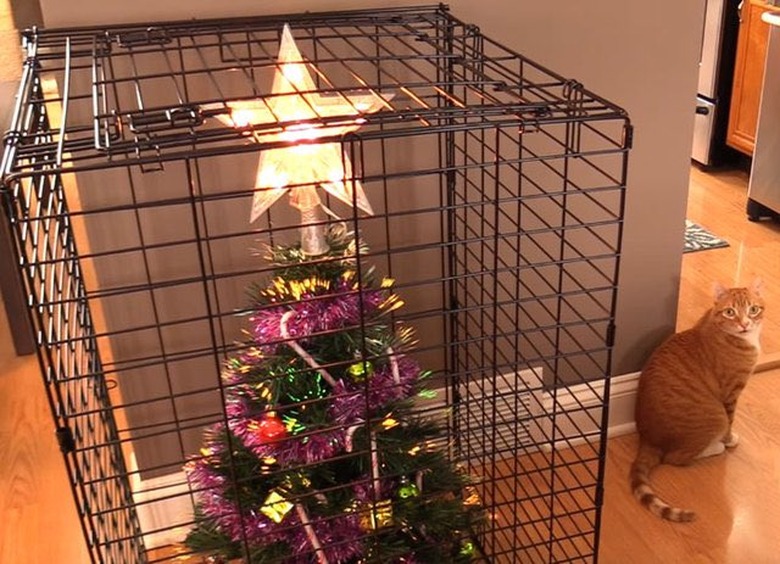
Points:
(306, 163)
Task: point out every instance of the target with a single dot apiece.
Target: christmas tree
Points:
(323, 457)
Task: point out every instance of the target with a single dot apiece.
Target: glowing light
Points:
(296, 289)
(392, 303)
(294, 72)
(241, 118)
(307, 164)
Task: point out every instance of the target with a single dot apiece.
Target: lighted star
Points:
(294, 98)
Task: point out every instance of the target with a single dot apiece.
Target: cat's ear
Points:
(719, 290)
(758, 285)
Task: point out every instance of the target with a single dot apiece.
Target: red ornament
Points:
(269, 429)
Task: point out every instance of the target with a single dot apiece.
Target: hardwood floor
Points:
(737, 495)
(39, 520)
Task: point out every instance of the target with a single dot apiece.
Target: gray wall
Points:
(641, 56)
(644, 62)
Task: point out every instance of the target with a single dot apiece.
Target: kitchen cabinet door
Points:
(748, 75)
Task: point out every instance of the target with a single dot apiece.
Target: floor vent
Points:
(493, 418)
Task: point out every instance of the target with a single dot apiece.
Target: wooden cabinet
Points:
(748, 75)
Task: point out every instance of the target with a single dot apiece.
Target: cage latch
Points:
(149, 164)
(148, 36)
(65, 439)
(171, 118)
(628, 136)
(109, 129)
(610, 335)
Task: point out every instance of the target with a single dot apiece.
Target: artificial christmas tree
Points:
(321, 456)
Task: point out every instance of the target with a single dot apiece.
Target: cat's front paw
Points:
(731, 440)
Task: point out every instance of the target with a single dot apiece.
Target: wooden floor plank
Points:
(736, 495)
(39, 520)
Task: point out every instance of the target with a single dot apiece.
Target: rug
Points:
(697, 238)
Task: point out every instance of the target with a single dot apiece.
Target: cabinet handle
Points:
(739, 9)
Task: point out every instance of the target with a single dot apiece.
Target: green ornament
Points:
(468, 548)
(360, 371)
(407, 490)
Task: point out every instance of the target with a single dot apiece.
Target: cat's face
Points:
(738, 311)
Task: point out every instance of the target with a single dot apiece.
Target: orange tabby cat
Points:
(688, 391)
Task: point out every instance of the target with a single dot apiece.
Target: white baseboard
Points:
(573, 415)
(165, 507)
(622, 398)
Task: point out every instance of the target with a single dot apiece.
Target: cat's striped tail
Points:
(648, 458)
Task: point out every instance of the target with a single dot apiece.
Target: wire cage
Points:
(475, 187)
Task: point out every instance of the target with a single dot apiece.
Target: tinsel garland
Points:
(291, 319)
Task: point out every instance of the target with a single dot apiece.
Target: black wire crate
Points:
(324, 288)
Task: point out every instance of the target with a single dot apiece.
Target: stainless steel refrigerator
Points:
(764, 188)
(716, 74)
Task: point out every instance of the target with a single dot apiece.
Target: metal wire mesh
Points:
(497, 188)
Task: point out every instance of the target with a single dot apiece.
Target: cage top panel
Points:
(98, 97)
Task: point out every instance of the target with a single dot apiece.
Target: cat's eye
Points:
(754, 310)
(729, 312)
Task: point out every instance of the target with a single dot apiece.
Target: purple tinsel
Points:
(351, 405)
(315, 314)
(310, 447)
(351, 400)
(339, 535)
(256, 526)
